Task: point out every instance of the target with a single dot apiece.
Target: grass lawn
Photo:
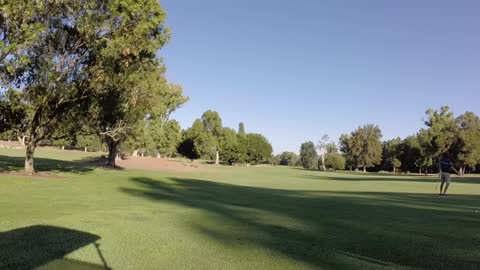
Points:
(231, 218)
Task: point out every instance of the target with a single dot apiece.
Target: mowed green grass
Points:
(232, 218)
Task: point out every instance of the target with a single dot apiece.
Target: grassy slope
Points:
(234, 218)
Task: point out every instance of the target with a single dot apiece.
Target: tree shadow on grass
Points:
(332, 229)
(82, 166)
(44, 247)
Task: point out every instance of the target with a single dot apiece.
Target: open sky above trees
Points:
(330, 67)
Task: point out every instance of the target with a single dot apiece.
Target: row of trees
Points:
(208, 139)
(74, 67)
(360, 149)
(310, 159)
(456, 137)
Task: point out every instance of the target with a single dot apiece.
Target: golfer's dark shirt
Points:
(446, 166)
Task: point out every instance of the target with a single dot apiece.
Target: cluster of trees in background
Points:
(87, 74)
(458, 138)
(208, 139)
(329, 159)
(74, 71)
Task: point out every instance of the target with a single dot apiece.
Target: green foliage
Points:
(202, 142)
(13, 111)
(205, 145)
(391, 150)
(196, 129)
(229, 146)
(74, 56)
(156, 134)
(242, 147)
(170, 139)
(366, 146)
(345, 148)
(335, 161)
(331, 148)
(308, 156)
(206, 136)
(61, 142)
(197, 143)
(6, 136)
(46, 50)
(396, 163)
(212, 123)
(89, 142)
(425, 150)
(459, 138)
(259, 150)
(468, 141)
(144, 137)
(241, 129)
(276, 160)
(408, 152)
(442, 130)
(288, 159)
(127, 73)
(187, 146)
(122, 115)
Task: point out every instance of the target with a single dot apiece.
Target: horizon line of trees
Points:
(457, 138)
(206, 139)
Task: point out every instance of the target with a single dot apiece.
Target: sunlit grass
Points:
(235, 218)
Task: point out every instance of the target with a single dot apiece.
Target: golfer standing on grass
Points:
(445, 166)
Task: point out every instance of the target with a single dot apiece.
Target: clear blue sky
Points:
(295, 70)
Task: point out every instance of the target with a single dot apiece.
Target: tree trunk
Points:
(21, 140)
(419, 170)
(29, 155)
(323, 163)
(393, 171)
(462, 170)
(112, 152)
(143, 154)
(217, 158)
(135, 153)
(364, 169)
(158, 155)
(63, 147)
(86, 149)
